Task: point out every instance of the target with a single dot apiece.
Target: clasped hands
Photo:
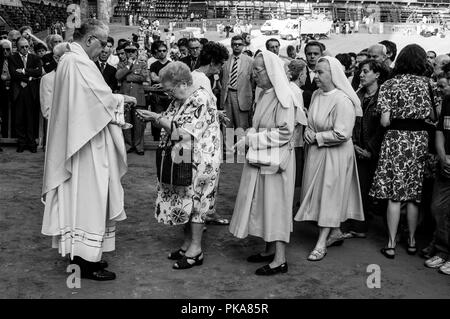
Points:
(310, 136)
(362, 153)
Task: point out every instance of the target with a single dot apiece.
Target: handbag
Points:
(272, 159)
(176, 172)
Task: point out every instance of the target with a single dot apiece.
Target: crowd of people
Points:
(355, 135)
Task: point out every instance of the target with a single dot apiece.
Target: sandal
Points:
(177, 254)
(411, 250)
(317, 254)
(218, 221)
(185, 262)
(385, 250)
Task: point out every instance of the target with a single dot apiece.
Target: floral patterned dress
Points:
(400, 169)
(180, 204)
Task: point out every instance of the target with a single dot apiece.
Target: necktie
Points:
(233, 76)
(102, 66)
(24, 59)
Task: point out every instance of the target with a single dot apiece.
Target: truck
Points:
(274, 26)
(307, 29)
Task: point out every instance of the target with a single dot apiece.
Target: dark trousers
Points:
(440, 209)
(135, 135)
(26, 118)
(366, 171)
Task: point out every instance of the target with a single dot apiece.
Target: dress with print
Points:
(400, 169)
(180, 204)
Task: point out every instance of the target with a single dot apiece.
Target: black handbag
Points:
(176, 172)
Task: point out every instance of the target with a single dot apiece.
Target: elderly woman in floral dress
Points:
(195, 115)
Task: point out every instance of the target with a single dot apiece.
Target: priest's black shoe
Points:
(33, 149)
(20, 149)
(131, 150)
(258, 258)
(267, 271)
(140, 152)
(99, 275)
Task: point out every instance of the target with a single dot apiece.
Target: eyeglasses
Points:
(162, 50)
(24, 47)
(194, 48)
(102, 43)
(130, 51)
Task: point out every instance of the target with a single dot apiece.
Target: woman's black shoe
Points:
(177, 254)
(184, 263)
(258, 258)
(411, 250)
(102, 264)
(267, 271)
(385, 250)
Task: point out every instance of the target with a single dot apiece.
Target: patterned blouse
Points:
(406, 96)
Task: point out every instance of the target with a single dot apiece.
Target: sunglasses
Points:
(103, 43)
(162, 50)
(24, 47)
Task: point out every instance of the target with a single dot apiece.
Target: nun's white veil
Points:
(342, 83)
(275, 70)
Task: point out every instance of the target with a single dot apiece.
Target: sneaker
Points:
(434, 262)
(445, 268)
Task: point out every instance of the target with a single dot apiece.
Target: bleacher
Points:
(389, 11)
(37, 15)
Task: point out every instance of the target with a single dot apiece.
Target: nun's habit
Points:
(330, 191)
(264, 202)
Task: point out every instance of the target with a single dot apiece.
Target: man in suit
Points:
(25, 70)
(107, 70)
(237, 86)
(132, 74)
(313, 52)
(195, 48)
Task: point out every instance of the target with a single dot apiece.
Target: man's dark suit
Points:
(48, 62)
(109, 74)
(308, 89)
(25, 97)
(189, 61)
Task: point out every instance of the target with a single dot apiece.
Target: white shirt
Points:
(113, 60)
(231, 66)
(46, 93)
(312, 74)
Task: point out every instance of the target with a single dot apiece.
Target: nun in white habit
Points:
(264, 202)
(330, 192)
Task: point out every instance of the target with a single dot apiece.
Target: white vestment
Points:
(84, 162)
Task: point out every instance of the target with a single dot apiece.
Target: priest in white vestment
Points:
(85, 158)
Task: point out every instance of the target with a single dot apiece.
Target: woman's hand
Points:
(362, 153)
(223, 118)
(129, 99)
(240, 146)
(147, 116)
(310, 136)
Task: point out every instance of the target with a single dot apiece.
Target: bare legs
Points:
(393, 218)
(192, 239)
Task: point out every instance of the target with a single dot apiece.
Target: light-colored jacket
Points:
(245, 83)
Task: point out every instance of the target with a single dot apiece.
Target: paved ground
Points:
(29, 268)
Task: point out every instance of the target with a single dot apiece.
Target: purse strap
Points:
(433, 102)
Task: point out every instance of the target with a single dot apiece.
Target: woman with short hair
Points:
(367, 137)
(192, 116)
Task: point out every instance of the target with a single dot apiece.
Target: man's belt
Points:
(232, 90)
